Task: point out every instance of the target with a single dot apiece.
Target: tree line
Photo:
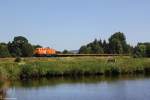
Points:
(116, 44)
(19, 47)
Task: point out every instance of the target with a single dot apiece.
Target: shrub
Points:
(18, 59)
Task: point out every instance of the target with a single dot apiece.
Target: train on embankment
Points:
(44, 52)
(50, 52)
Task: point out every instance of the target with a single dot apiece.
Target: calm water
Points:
(84, 88)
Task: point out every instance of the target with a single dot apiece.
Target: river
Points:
(83, 88)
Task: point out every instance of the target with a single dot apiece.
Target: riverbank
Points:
(72, 66)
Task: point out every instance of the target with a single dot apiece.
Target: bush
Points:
(18, 59)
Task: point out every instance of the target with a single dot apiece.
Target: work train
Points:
(40, 52)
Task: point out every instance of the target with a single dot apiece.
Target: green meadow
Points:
(29, 68)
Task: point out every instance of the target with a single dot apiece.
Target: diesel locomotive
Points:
(44, 52)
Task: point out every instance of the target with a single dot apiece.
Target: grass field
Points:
(71, 66)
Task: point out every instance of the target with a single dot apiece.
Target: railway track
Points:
(79, 55)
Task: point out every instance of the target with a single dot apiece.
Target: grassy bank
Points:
(72, 66)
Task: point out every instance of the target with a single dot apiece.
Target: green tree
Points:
(117, 43)
(14, 49)
(116, 46)
(20, 40)
(94, 47)
(105, 47)
(65, 51)
(27, 50)
(83, 50)
(100, 42)
(140, 50)
(4, 52)
(148, 50)
(97, 47)
(20, 47)
(36, 46)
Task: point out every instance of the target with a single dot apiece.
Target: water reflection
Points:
(82, 88)
(2, 94)
(73, 80)
(3, 89)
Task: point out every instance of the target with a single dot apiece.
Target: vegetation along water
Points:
(72, 66)
(137, 62)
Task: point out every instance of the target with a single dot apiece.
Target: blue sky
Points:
(68, 24)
